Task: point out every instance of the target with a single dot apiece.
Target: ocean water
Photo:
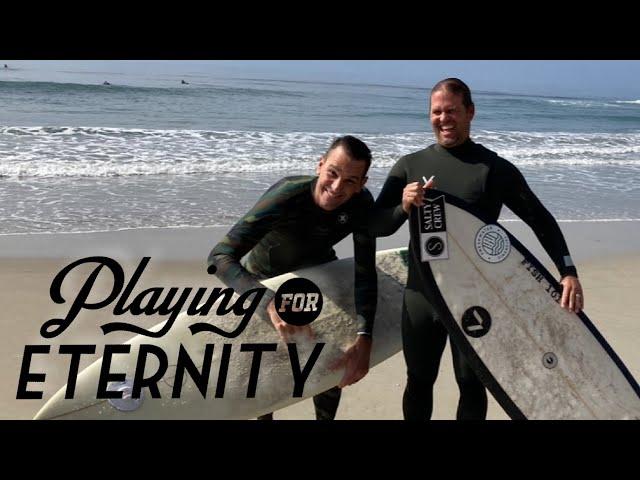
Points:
(77, 155)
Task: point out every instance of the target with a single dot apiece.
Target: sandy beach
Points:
(606, 253)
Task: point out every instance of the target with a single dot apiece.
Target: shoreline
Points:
(586, 240)
(229, 225)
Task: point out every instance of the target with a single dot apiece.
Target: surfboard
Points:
(227, 395)
(501, 308)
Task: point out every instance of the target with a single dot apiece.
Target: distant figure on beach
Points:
(184, 83)
(6, 66)
(480, 177)
(106, 83)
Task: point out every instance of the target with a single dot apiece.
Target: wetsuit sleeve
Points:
(366, 278)
(387, 215)
(242, 237)
(524, 203)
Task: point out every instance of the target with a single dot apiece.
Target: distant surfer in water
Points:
(481, 178)
(184, 83)
(295, 224)
(105, 83)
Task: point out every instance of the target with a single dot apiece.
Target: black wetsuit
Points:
(287, 231)
(486, 181)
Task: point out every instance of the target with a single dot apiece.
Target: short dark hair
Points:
(455, 86)
(354, 147)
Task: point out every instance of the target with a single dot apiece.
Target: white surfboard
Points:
(335, 327)
(539, 360)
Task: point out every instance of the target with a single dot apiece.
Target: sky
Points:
(618, 79)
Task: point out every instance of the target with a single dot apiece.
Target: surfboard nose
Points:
(83, 406)
(60, 408)
(45, 413)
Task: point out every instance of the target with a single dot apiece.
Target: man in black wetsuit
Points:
(480, 177)
(295, 224)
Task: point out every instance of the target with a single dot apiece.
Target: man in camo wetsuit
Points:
(295, 224)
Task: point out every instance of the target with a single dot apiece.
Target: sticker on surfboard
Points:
(476, 322)
(433, 230)
(492, 244)
(125, 403)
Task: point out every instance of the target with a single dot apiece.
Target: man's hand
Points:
(572, 296)
(413, 194)
(284, 329)
(356, 360)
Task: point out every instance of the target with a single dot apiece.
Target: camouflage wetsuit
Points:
(286, 231)
(486, 181)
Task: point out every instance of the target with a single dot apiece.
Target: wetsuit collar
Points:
(462, 148)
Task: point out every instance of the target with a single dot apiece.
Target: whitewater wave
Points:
(47, 151)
